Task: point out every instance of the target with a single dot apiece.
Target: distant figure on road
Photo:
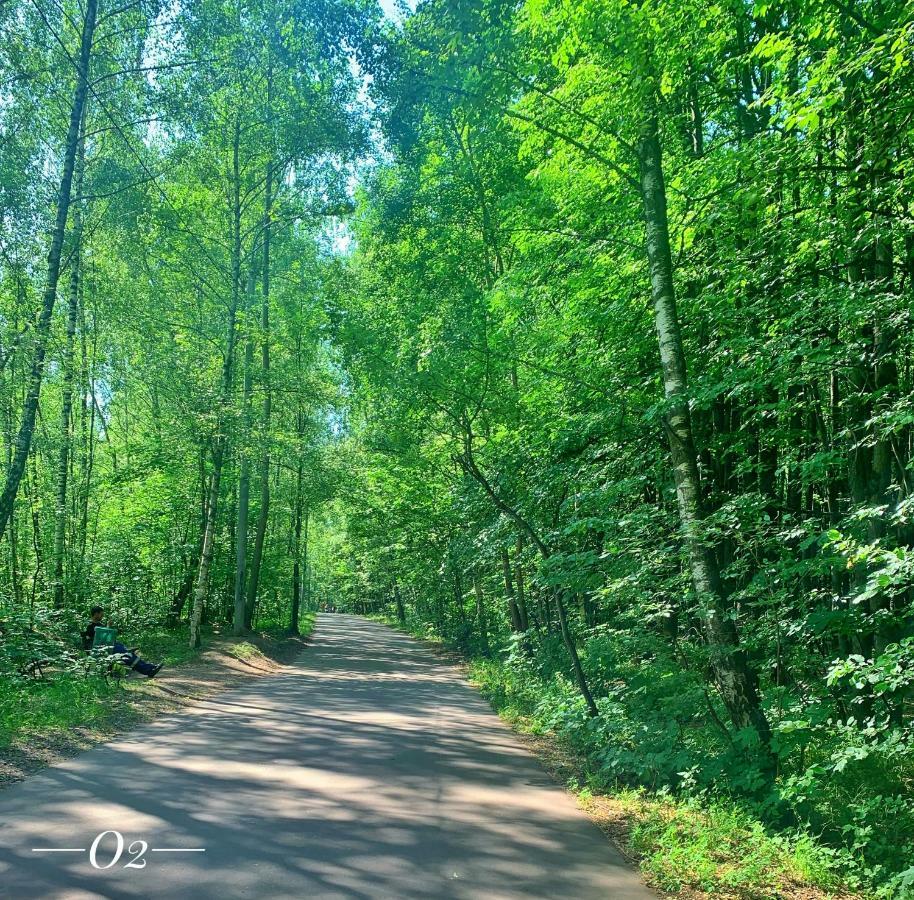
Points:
(129, 657)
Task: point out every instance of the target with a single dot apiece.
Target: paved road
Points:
(369, 770)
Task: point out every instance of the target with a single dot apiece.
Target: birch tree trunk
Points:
(244, 477)
(212, 506)
(264, 474)
(735, 680)
(87, 444)
(43, 326)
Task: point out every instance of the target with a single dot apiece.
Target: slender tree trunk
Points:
(14, 562)
(735, 680)
(513, 609)
(241, 549)
(88, 446)
(695, 112)
(32, 493)
(398, 599)
(468, 462)
(481, 616)
(206, 553)
(184, 590)
(264, 474)
(43, 327)
(8, 391)
(212, 506)
(228, 587)
(244, 476)
(305, 558)
(296, 548)
(873, 377)
(69, 362)
(521, 590)
(885, 385)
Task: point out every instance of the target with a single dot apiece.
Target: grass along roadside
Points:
(700, 848)
(695, 848)
(44, 720)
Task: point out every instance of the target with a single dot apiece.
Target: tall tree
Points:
(43, 324)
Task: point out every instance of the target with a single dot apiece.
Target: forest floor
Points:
(187, 677)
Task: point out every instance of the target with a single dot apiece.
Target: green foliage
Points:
(54, 704)
(510, 421)
(673, 488)
(188, 335)
(244, 651)
(32, 641)
(168, 646)
(719, 848)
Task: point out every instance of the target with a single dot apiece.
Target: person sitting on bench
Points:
(128, 657)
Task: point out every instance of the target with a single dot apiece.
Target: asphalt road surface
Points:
(370, 769)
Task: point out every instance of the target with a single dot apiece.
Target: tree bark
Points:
(43, 327)
(183, 592)
(296, 547)
(521, 590)
(305, 559)
(244, 476)
(69, 362)
(264, 474)
(517, 623)
(481, 616)
(87, 444)
(468, 463)
(190, 573)
(735, 679)
(212, 506)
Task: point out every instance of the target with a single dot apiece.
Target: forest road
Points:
(369, 769)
